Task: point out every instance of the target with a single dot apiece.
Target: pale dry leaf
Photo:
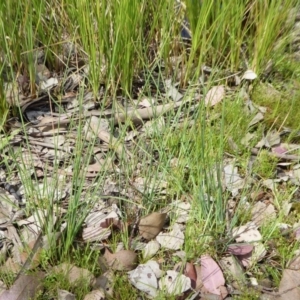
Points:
(173, 239)
(93, 126)
(172, 91)
(256, 119)
(211, 275)
(181, 210)
(151, 249)
(65, 295)
(215, 95)
(98, 294)
(233, 181)
(246, 233)
(151, 225)
(271, 139)
(124, 260)
(249, 75)
(25, 287)
(262, 213)
(144, 279)
(174, 283)
(48, 84)
(95, 233)
(155, 268)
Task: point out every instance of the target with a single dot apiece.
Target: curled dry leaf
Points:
(151, 225)
(124, 260)
(249, 75)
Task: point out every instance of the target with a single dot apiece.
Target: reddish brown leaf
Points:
(211, 275)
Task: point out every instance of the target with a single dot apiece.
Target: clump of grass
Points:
(281, 103)
(265, 165)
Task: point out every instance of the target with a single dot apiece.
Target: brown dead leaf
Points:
(289, 285)
(124, 260)
(151, 225)
(199, 283)
(190, 272)
(25, 287)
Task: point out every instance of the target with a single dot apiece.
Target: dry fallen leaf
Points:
(240, 249)
(174, 283)
(98, 294)
(105, 282)
(151, 249)
(215, 95)
(249, 75)
(190, 272)
(25, 287)
(151, 225)
(289, 285)
(65, 295)
(144, 279)
(246, 233)
(173, 239)
(211, 275)
(124, 260)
